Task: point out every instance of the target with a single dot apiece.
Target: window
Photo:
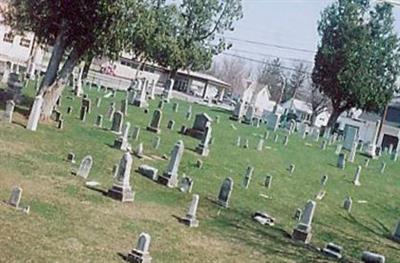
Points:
(8, 37)
(25, 42)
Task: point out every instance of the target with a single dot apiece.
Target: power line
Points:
(272, 56)
(271, 45)
(263, 62)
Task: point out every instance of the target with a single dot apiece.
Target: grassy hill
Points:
(71, 223)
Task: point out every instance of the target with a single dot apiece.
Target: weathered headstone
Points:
(297, 214)
(87, 104)
(268, 181)
(35, 113)
(324, 144)
(190, 218)
(353, 152)
(98, 102)
(167, 92)
(71, 157)
(285, 140)
(383, 167)
(170, 176)
(175, 107)
(82, 114)
(141, 253)
(225, 192)
(60, 124)
(203, 147)
(117, 121)
(15, 197)
(69, 110)
(333, 250)
(341, 163)
(238, 141)
(111, 111)
(171, 124)
(369, 257)
(291, 168)
(396, 234)
(139, 150)
(148, 171)
(121, 142)
(135, 133)
(99, 121)
(121, 189)
(186, 184)
(157, 142)
(260, 145)
(338, 149)
(85, 167)
(155, 123)
(247, 177)
(347, 204)
(8, 113)
(324, 180)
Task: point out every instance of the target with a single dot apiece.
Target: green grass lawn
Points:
(71, 223)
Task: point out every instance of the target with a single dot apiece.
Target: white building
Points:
(303, 111)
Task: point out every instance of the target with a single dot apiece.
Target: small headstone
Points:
(160, 104)
(117, 122)
(190, 218)
(155, 122)
(291, 168)
(99, 121)
(186, 184)
(135, 133)
(246, 144)
(260, 145)
(85, 167)
(297, 214)
(341, 161)
(121, 189)
(34, 115)
(366, 162)
(324, 180)
(111, 111)
(286, 140)
(87, 104)
(8, 113)
(82, 115)
(170, 176)
(170, 124)
(98, 102)
(333, 250)
(347, 204)
(238, 141)
(115, 170)
(15, 197)
(139, 150)
(268, 181)
(148, 171)
(276, 137)
(395, 156)
(247, 177)
(225, 192)
(383, 167)
(60, 124)
(71, 157)
(266, 135)
(175, 107)
(356, 180)
(124, 107)
(324, 144)
(141, 253)
(69, 110)
(157, 142)
(396, 234)
(302, 232)
(199, 164)
(353, 152)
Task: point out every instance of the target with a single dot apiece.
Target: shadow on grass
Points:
(122, 256)
(103, 192)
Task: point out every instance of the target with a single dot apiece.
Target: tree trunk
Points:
(333, 118)
(54, 63)
(53, 92)
(86, 68)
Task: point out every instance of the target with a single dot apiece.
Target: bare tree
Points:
(319, 102)
(270, 73)
(298, 80)
(233, 71)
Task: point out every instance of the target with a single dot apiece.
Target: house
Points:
(304, 111)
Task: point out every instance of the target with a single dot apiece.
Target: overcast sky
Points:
(288, 23)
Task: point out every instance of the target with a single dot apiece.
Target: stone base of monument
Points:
(137, 256)
(202, 150)
(223, 203)
(246, 121)
(140, 104)
(121, 194)
(198, 134)
(234, 118)
(190, 222)
(168, 180)
(153, 129)
(301, 235)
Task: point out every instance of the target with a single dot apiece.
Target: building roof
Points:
(205, 77)
(369, 116)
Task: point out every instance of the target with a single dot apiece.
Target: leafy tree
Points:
(271, 73)
(358, 59)
(75, 29)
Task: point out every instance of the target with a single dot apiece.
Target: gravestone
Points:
(333, 250)
(395, 156)
(369, 257)
(324, 144)
(157, 142)
(383, 166)
(366, 162)
(60, 124)
(353, 152)
(268, 181)
(87, 104)
(170, 124)
(85, 167)
(276, 137)
(260, 145)
(15, 197)
(34, 115)
(124, 107)
(190, 218)
(238, 112)
(140, 98)
(350, 136)
(238, 141)
(186, 184)
(117, 121)
(121, 189)
(356, 180)
(160, 105)
(121, 142)
(139, 151)
(111, 111)
(167, 92)
(98, 102)
(148, 171)
(115, 170)
(8, 113)
(297, 214)
(341, 163)
(141, 254)
(347, 204)
(170, 176)
(246, 144)
(273, 121)
(338, 149)
(199, 164)
(247, 177)
(201, 122)
(303, 230)
(99, 121)
(225, 192)
(82, 114)
(135, 133)
(324, 180)
(155, 123)
(152, 93)
(266, 135)
(203, 147)
(248, 117)
(175, 107)
(71, 157)
(291, 168)
(69, 110)
(285, 140)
